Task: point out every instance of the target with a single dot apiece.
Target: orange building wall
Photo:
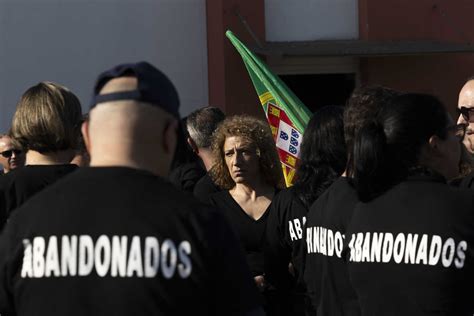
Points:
(442, 75)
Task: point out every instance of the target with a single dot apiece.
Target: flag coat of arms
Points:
(286, 114)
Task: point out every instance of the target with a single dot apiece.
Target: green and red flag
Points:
(285, 113)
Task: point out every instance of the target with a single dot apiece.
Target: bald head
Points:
(130, 133)
(466, 99)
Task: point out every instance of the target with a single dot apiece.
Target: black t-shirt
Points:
(466, 182)
(120, 241)
(185, 176)
(204, 188)
(284, 238)
(3, 208)
(17, 186)
(283, 245)
(325, 272)
(251, 232)
(411, 250)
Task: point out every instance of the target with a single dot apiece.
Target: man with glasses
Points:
(10, 157)
(466, 112)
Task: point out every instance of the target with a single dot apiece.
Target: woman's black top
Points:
(251, 232)
(325, 272)
(411, 250)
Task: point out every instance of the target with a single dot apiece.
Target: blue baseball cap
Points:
(153, 87)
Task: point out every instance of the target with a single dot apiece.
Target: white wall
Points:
(71, 41)
(306, 20)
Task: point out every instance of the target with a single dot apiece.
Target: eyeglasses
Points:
(459, 130)
(9, 153)
(467, 113)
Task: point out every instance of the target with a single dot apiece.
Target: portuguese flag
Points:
(285, 113)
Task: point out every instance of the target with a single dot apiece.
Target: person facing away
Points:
(186, 168)
(410, 241)
(201, 124)
(11, 157)
(325, 273)
(46, 124)
(322, 160)
(117, 238)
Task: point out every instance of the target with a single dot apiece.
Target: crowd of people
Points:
(130, 209)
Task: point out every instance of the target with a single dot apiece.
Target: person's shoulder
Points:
(30, 174)
(101, 184)
(338, 189)
(6, 178)
(205, 180)
(220, 196)
(205, 187)
(185, 176)
(466, 182)
(285, 198)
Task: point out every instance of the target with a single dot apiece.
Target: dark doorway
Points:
(318, 90)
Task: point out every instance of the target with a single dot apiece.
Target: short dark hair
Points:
(202, 123)
(362, 107)
(47, 118)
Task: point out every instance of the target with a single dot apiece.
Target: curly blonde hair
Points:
(258, 133)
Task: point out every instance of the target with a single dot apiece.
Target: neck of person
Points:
(147, 161)
(207, 158)
(61, 157)
(252, 190)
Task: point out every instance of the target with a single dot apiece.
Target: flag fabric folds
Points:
(286, 114)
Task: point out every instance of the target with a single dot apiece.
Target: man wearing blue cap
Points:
(116, 238)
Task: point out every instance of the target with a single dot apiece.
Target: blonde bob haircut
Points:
(258, 133)
(47, 119)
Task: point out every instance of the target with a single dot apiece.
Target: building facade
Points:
(322, 49)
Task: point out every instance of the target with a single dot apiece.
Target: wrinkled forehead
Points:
(238, 142)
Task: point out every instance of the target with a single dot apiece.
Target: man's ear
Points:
(170, 136)
(193, 145)
(434, 144)
(85, 135)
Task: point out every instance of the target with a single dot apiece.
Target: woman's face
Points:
(241, 159)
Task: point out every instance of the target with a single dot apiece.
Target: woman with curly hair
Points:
(248, 170)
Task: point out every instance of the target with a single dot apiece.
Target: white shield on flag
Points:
(288, 139)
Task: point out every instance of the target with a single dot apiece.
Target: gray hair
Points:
(202, 123)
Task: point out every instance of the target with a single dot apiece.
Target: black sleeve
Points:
(232, 284)
(3, 200)
(7, 255)
(12, 198)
